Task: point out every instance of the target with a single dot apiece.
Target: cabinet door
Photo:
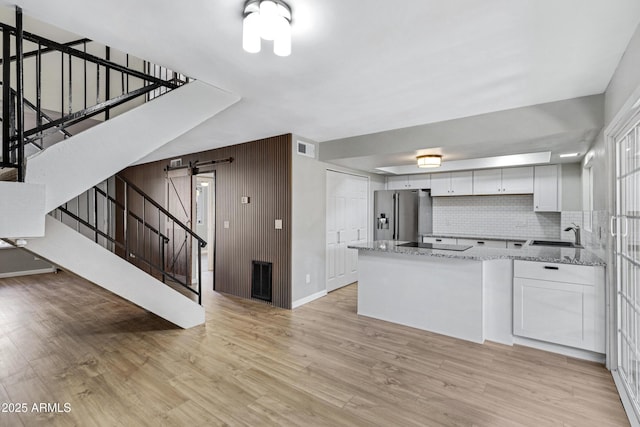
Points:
(441, 184)
(421, 181)
(517, 180)
(398, 182)
(561, 313)
(461, 183)
(488, 181)
(546, 195)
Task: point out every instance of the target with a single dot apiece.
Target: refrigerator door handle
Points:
(396, 228)
(393, 234)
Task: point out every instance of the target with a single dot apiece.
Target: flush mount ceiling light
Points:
(429, 161)
(269, 20)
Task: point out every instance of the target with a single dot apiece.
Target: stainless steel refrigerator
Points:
(402, 214)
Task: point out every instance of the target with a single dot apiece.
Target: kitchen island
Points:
(465, 294)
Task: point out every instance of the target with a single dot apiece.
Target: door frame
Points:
(628, 114)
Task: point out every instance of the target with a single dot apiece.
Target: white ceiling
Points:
(360, 67)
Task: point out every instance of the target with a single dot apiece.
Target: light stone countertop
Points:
(527, 253)
(476, 237)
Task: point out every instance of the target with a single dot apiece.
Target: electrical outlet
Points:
(226, 224)
(278, 224)
(308, 279)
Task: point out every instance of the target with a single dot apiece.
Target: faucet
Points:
(576, 230)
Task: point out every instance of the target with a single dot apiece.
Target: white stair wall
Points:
(76, 164)
(22, 210)
(65, 247)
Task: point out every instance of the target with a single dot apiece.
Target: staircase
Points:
(59, 172)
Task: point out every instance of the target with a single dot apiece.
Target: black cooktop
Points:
(438, 246)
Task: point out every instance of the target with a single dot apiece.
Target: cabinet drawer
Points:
(568, 273)
(444, 240)
(515, 244)
(483, 243)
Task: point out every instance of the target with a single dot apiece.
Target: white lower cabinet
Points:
(559, 303)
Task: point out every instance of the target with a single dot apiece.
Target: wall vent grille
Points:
(261, 280)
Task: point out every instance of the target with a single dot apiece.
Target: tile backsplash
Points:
(501, 216)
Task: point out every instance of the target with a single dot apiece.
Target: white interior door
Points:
(346, 224)
(626, 229)
(357, 217)
(336, 225)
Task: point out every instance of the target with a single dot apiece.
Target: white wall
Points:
(308, 204)
(625, 80)
(308, 245)
(22, 210)
(624, 88)
(571, 176)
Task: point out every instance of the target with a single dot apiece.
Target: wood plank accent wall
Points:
(260, 170)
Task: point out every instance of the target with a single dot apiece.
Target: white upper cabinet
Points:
(405, 182)
(487, 181)
(503, 181)
(517, 180)
(546, 188)
(452, 184)
(397, 182)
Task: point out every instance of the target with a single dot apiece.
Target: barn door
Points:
(179, 251)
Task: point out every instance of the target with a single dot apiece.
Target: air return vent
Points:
(261, 280)
(306, 149)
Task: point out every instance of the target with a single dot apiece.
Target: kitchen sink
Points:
(555, 243)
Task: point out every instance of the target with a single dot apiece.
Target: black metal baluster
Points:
(126, 219)
(39, 87)
(6, 95)
(61, 84)
(97, 84)
(20, 91)
(107, 81)
(95, 212)
(70, 86)
(199, 273)
(85, 75)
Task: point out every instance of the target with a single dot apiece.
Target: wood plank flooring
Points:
(63, 340)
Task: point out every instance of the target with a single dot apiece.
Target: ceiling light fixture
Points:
(570, 155)
(429, 161)
(268, 20)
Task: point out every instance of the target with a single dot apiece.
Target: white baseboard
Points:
(27, 272)
(305, 300)
(560, 349)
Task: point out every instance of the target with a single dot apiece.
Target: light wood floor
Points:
(64, 340)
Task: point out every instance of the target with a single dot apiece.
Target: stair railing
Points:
(125, 220)
(83, 80)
